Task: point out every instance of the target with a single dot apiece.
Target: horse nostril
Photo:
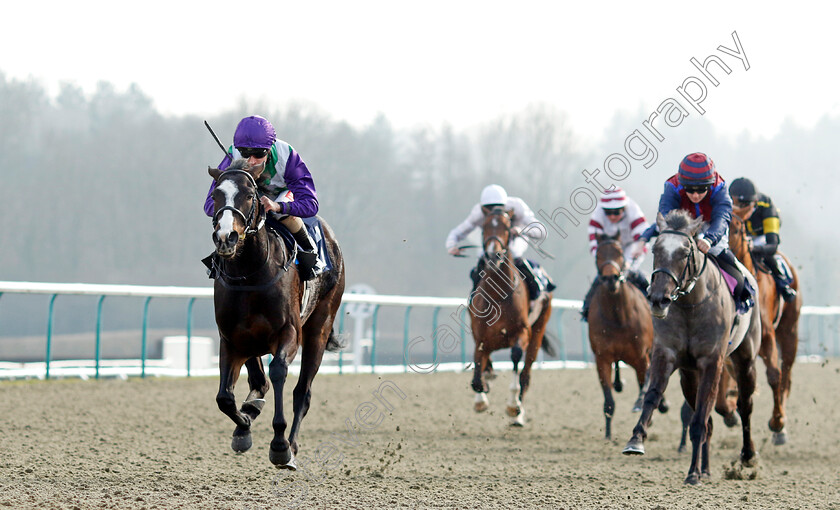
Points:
(233, 238)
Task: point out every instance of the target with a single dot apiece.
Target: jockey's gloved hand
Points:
(637, 249)
(454, 250)
(515, 231)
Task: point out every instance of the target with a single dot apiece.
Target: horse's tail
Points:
(617, 384)
(549, 344)
(335, 342)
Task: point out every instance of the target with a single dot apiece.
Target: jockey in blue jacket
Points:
(700, 190)
(287, 191)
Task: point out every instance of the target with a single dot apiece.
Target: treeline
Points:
(102, 188)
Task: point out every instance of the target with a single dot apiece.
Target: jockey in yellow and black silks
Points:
(763, 225)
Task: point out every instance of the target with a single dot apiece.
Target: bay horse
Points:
(500, 319)
(695, 335)
(257, 297)
(620, 326)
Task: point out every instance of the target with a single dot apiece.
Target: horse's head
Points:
(495, 232)
(237, 209)
(676, 257)
(609, 259)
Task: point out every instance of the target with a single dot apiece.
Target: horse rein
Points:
(679, 291)
(249, 220)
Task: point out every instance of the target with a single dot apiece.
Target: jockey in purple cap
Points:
(700, 190)
(286, 186)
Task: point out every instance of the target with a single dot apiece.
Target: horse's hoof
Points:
(730, 420)
(663, 406)
(481, 402)
(513, 411)
(518, 421)
(241, 441)
(682, 449)
(780, 438)
(282, 459)
(693, 479)
(634, 447)
(637, 407)
(749, 461)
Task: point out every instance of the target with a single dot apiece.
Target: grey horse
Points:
(695, 335)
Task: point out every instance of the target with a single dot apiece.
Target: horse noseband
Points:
(679, 291)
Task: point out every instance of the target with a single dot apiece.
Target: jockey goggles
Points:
(613, 212)
(696, 189)
(248, 152)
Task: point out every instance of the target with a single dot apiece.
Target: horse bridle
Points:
(503, 251)
(679, 291)
(621, 275)
(249, 220)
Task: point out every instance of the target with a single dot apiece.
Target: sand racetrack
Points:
(162, 443)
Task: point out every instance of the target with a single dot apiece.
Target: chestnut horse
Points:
(257, 296)
(620, 326)
(695, 335)
(499, 316)
(779, 325)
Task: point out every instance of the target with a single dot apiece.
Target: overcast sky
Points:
(430, 62)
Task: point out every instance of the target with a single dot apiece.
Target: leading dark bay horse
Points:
(620, 326)
(257, 295)
(695, 327)
(500, 319)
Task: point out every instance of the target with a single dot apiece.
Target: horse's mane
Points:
(239, 164)
(678, 219)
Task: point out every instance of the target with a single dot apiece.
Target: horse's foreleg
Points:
(258, 383)
(770, 355)
(479, 385)
(229, 368)
(724, 405)
(699, 431)
(662, 366)
(641, 365)
(604, 367)
(788, 343)
(746, 374)
(279, 451)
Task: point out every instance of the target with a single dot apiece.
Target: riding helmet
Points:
(697, 169)
(743, 190)
(254, 132)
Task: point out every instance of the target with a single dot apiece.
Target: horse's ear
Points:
(660, 222)
(695, 225)
(215, 173)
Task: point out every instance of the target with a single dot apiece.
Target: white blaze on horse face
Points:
(226, 221)
(671, 244)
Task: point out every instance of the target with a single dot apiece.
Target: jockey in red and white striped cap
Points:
(616, 213)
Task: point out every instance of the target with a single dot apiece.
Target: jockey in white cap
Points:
(491, 196)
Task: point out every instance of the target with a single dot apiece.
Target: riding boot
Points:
(638, 279)
(743, 294)
(475, 274)
(307, 255)
(531, 280)
(584, 311)
(781, 275)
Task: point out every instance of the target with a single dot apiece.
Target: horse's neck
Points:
(701, 289)
(618, 304)
(252, 258)
(503, 277)
(742, 253)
